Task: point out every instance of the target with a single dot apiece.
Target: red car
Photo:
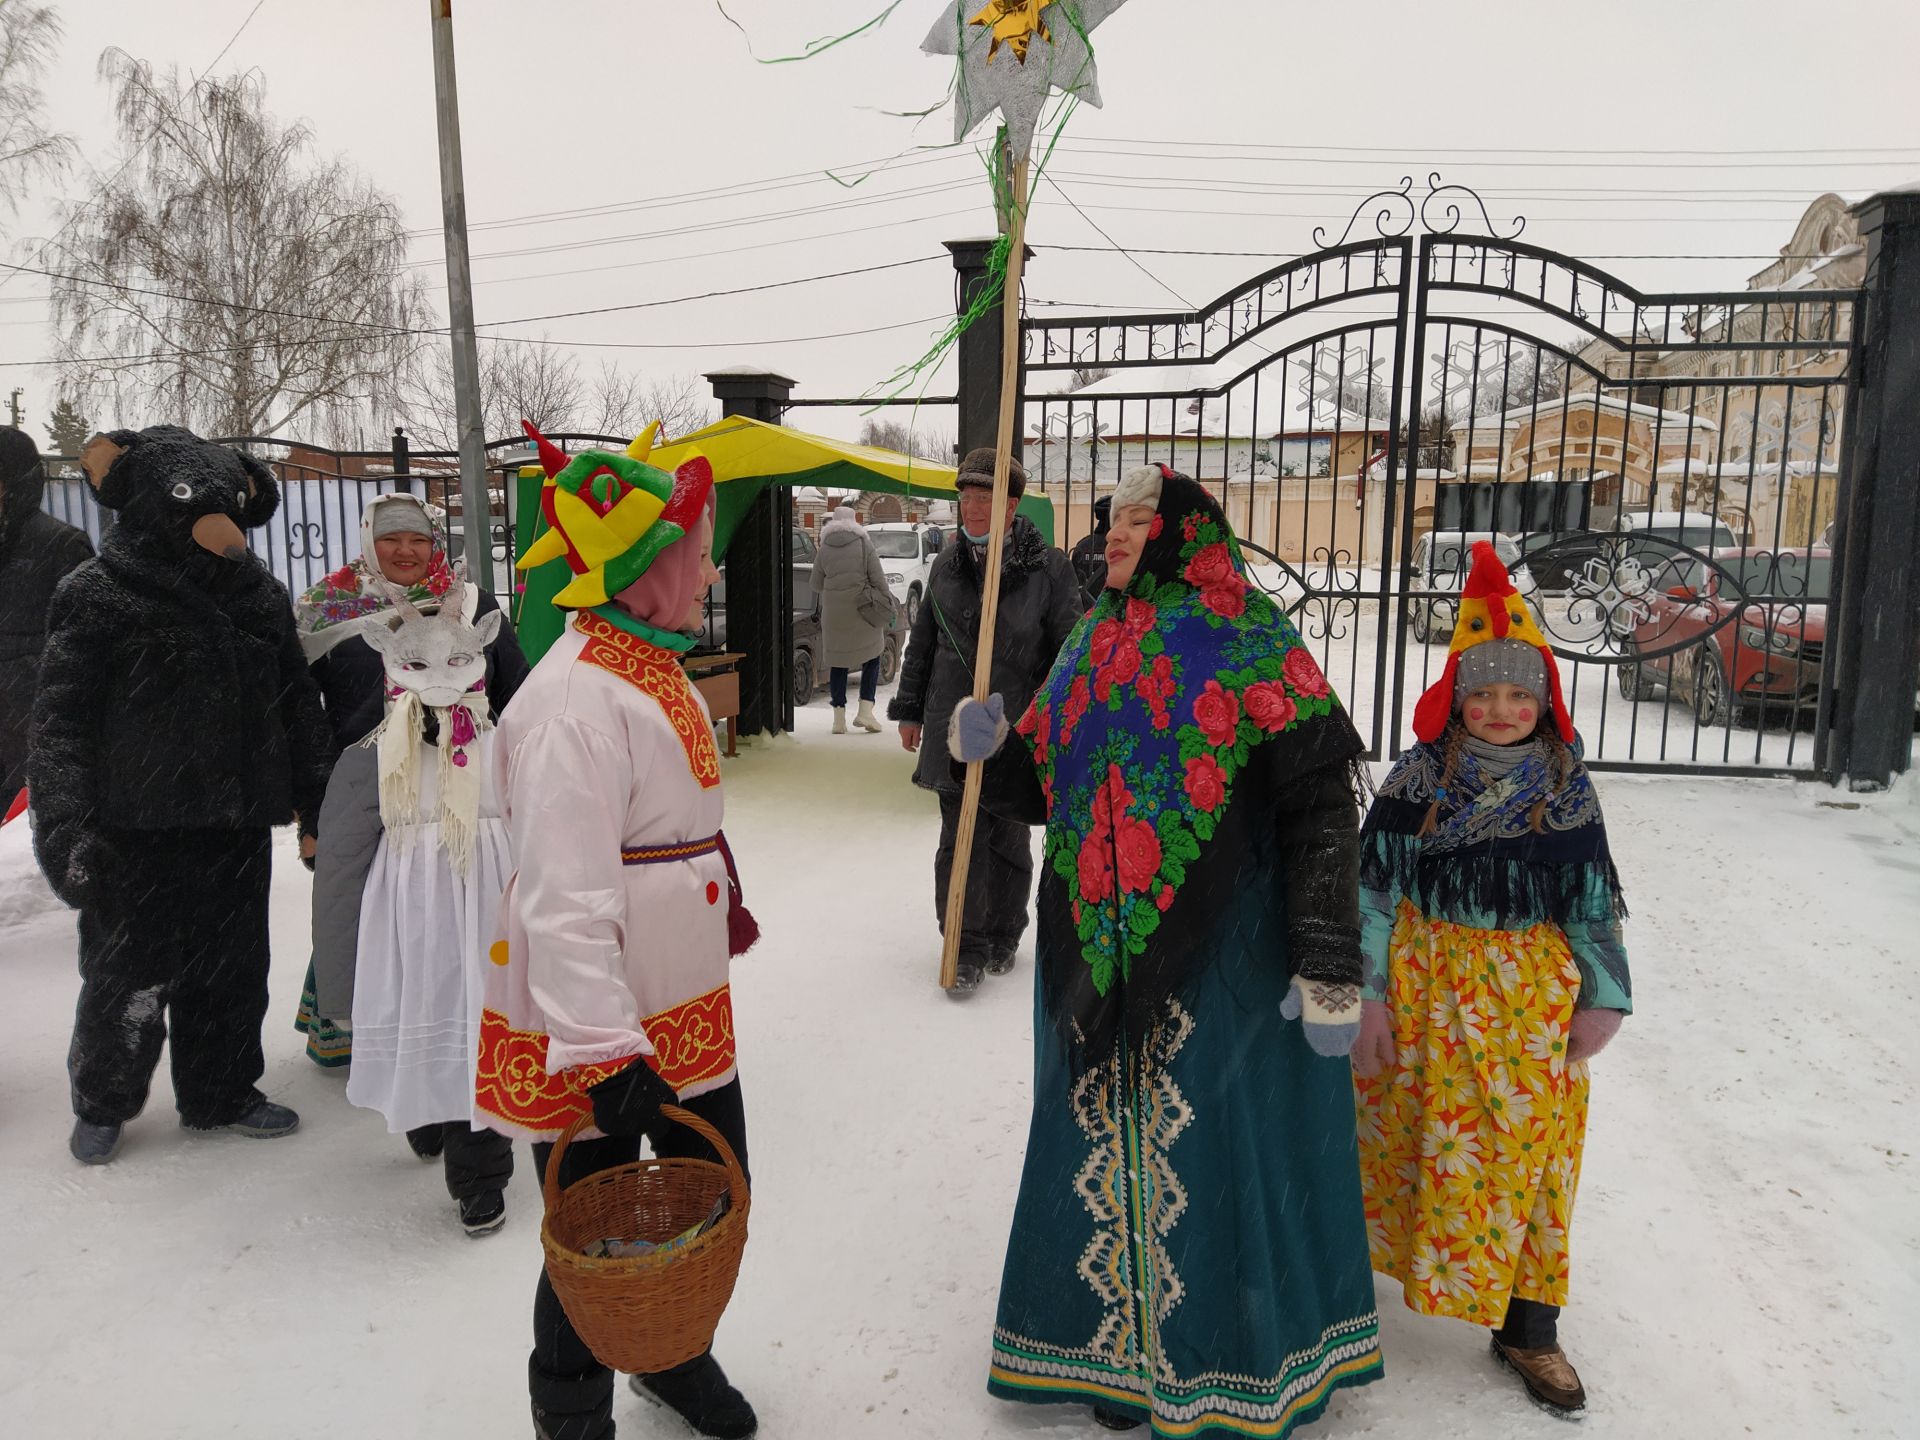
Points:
(1761, 622)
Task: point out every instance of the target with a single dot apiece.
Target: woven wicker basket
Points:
(651, 1312)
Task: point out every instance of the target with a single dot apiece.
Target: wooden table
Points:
(717, 678)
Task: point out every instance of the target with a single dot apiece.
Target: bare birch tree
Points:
(29, 149)
(900, 435)
(625, 403)
(229, 279)
(519, 380)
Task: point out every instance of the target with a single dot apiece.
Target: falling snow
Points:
(1744, 1251)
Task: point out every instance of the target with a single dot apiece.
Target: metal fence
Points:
(1661, 471)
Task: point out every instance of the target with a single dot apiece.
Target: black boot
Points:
(1001, 960)
(484, 1213)
(427, 1141)
(93, 1144)
(699, 1393)
(260, 1120)
(1108, 1418)
(966, 978)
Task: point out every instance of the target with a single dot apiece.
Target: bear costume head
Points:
(166, 482)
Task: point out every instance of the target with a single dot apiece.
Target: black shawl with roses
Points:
(1170, 699)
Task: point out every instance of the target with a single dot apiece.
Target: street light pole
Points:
(475, 509)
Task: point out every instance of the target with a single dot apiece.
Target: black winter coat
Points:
(1039, 606)
(36, 551)
(353, 678)
(173, 695)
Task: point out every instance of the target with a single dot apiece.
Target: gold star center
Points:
(1014, 24)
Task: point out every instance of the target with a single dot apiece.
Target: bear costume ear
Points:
(488, 627)
(263, 492)
(100, 458)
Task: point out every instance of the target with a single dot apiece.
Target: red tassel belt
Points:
(742, 931)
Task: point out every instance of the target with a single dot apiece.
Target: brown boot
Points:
(1548, 1375)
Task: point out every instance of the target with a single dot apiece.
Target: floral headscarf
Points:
(358, 590)
(1161, 701)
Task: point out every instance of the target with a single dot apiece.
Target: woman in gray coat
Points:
(856, 610)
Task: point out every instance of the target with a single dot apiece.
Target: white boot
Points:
(866, 719)
(839, 719)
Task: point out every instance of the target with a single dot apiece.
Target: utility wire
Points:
(135, 362)
(434, 331)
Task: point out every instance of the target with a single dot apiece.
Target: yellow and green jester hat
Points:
(609, 515)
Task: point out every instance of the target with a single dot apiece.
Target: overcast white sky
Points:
(576, 103)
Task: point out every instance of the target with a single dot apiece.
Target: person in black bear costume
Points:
(175, 725)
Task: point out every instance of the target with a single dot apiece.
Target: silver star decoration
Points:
(1018, 91)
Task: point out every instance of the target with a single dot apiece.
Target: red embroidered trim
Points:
(655, 672)
(693, 1042)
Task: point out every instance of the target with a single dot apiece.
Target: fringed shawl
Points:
(1484, 858)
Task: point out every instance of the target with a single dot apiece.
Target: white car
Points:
(1441, 560)
(907, 553)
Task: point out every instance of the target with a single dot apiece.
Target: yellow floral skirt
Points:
(1470, 1145)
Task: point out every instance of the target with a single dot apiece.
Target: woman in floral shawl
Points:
(1188, 1248)
(403, 541)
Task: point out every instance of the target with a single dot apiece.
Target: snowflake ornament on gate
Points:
(1610, 596)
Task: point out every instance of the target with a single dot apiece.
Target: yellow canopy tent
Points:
(747, 456)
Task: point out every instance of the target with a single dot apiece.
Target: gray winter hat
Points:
(396, 512)
(1498, 662)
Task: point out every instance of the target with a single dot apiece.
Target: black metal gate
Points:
(1661, 471)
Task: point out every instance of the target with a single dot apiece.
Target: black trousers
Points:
(572, 1392)
(474, 1161)
(182, 938)
(999, 881)
(1529, 1325)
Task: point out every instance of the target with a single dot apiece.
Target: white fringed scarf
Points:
(399, 740)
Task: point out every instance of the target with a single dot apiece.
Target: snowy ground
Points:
(1745, 1254)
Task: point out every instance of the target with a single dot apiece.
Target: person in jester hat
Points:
(609, 994)
(1495, 971)
(1188, 1247)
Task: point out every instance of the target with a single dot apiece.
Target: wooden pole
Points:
(996, 542)
(476, 507)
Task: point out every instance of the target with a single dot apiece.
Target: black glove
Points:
(629, 1103)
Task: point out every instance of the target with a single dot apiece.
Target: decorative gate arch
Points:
(1664, 466)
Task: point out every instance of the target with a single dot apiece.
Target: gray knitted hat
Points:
(1496, 662)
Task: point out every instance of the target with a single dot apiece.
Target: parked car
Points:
(1761, 619)
(1441, 560)
(809, 673)
(907, 553)
(1651, 539)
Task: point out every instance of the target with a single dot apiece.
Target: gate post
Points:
(1879, 507)
(759, 565)
(979, 351)
(402, 461)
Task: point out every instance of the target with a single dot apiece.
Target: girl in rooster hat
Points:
(1490, 919)
(608, 997)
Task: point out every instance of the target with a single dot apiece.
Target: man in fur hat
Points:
(1039, 606)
